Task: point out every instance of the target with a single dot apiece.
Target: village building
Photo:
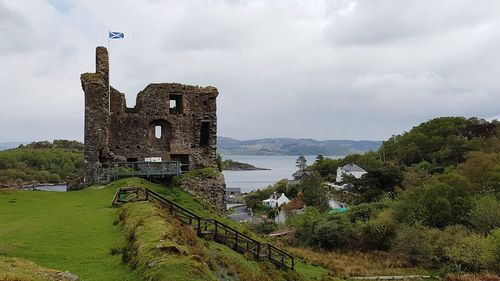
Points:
(349, 170)
(276, 200)
(300, 175)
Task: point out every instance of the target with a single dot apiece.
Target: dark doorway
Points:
(183, 158)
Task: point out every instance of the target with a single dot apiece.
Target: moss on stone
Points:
(90, 77)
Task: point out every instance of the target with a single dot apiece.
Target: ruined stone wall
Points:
(115, 133)
(132, 130)
(211, 190)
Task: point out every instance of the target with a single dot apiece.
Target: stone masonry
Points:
(172, 121)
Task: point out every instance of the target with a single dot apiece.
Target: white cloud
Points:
(321, 69)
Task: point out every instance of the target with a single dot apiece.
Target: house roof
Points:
(300, 173)
(352, 168)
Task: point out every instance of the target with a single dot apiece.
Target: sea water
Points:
(282, 167)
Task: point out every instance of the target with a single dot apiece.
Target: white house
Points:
(276, 200)
(351, 170)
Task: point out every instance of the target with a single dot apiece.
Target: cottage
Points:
(302, 175)
(349, 170)
(276, 200)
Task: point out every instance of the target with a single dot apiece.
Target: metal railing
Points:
(208, 228)
(139, 169)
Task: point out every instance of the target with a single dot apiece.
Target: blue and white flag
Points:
(116, 35)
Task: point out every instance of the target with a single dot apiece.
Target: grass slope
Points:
(75, 231)
(71, 231)
(15, 269)
(305, 270)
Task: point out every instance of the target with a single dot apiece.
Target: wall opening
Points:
(175, 104)
(205, 133)
(183, 158)
(158, 132)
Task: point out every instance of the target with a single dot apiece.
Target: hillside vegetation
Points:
(41, 162)
(430, 197)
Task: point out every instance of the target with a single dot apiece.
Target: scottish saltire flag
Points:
(116, 35)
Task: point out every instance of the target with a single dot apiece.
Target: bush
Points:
(264, 227)
(473, 253)
(494, 241)
(330, 234)
(447, 238)
(319, 230)
(416, 244)
(485, 215)
(378, 233)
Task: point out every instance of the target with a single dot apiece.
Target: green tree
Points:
(485, 216)
(315, 193)
(372, 185)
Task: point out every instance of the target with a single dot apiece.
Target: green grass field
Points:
(75, 231)
(71, 231)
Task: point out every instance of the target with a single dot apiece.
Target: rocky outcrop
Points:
(206, 184)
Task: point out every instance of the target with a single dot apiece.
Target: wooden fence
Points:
(210, 229)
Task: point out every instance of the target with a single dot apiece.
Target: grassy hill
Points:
(81, 233)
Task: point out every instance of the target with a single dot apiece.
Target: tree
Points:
(485, 216)
(315, 193)
(444, 200)
(376, 182)
(301, 163)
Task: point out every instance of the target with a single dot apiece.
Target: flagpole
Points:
(109, 75)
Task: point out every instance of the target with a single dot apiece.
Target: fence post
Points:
(198, 230)
(147, 194)
(293, 265)
(215, 237)
(269, 251)
(236, 240)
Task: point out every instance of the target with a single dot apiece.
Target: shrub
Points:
(494, 241)
(330, 234)
(416, 244)
(473, 253)
(378, 233)
(264, 227)
(485, 216)
(447, 238)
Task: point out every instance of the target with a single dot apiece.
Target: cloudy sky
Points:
(284, 68)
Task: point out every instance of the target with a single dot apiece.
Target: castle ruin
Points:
(170, 122)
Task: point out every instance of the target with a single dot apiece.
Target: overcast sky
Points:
(311, 69)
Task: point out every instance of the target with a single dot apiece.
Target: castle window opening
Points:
(175, 104)
(204, 133)
(158, 132)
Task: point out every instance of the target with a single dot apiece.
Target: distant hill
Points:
(291, 146)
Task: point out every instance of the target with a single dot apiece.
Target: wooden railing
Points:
(208, 228)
